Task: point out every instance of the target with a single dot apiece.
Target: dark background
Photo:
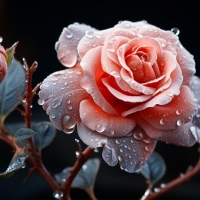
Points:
(37, 24)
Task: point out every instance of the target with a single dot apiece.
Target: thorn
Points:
(35, 89)
(30, 173)
(34, 67)
(21, 111)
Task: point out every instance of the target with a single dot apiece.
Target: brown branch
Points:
(81, 159)
(189, 174)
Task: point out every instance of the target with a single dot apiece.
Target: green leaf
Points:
(17, 162)
(154, 168)
(12, 86)
(85, 179)
(22, 135)
(10, 53)
(45, 132)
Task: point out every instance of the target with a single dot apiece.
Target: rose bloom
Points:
(3, 63)
(127, 88)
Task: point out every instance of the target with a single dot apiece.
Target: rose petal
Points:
(195, 85)
(66, 46)
(132, 153)
(61, 95)
(183, 135)
(91, 64)
(127, 98)
(94, 39)
(104, 123)
(173, 114)
(161, 98)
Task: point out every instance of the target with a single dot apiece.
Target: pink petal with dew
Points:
(104, 123)
(168, 67)
(195, 87)
(91, 40)
(91, 64)
(162, 98)
(180, 110)
(119, 95)
(131, 153)
(184, 135)
(172, 44)
(66, 46)
(60, 96)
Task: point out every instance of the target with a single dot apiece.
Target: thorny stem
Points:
(176, 182)
(81, 159)
(36, 158)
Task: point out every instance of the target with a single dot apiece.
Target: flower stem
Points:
(82, 158)
(189, 174)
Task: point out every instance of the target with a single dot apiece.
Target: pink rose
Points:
(130, 86)
(3, 63)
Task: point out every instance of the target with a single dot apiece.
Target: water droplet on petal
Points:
(90, 34)
(119, 158)
(147, 148)
(121, 150)
(68, 33)
(100, 128)
(68, 122)
(162, 121)
(41, 102)
(68, 131)
(178, 122)
(53, 116)
(112, 132)
(178, 112)
(138, 136)
(117, 142)
(1, 39)
(175, 30)
(58, 194)
(70, 107)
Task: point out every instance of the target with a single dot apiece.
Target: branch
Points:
(189, 174)
(81, 159)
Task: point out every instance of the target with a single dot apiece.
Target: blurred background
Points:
(37, 25)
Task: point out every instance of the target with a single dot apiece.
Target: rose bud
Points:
(3, 63)
(128, 87)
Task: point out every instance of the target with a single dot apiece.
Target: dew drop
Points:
(121, 150)
(117, 142)
(100, 128)
(77, 140)
(138, 136)
(24, 166)
(112, 132)
(68, 122)
(96, 150)
(178, 112)
(156, 189)
(178, 122)
(163, 185)
(65, 83)
(119, 158)
(77, 153)
(84, 167)
(175, 30)
(70, 107)
(58, 194)
(90, 34)
(68, 33)
(53, 116)
(162, 121)
(68, 131)
(1, 39)
(41, 102)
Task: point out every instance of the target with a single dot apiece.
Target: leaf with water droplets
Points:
(12, 86)
(17, 162)
(45, 133)
(85, 179)
(154, 169)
